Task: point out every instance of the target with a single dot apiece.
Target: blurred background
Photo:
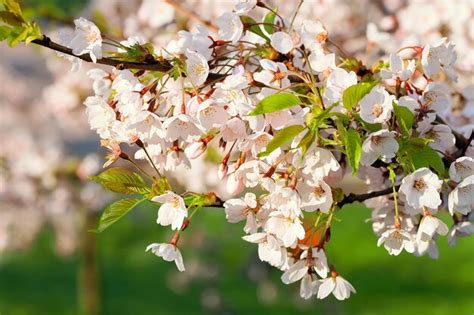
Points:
(51, 264)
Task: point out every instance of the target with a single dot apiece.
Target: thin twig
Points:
(362, 197)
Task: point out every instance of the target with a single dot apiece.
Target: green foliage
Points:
(135, 53)
(307, 141)
(14, 28)
(268, 22)
(282, 137)
(159, 187)
(274, 103)
(121, 180)
(318, 117)
(415, 153)
(351, 64)
(353, 145)
(427, 157)
(115, 211)
(405, 118)
(353, 94)
(252, 26)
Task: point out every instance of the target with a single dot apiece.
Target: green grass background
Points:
(135, 282)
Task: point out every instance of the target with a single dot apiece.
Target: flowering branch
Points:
(362, 197)
(152, 64)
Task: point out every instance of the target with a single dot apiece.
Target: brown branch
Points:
(190, 14)
(362, 197)
(152, 65)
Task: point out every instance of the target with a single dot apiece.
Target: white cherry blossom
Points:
(282, 42)
(239, 209)
(168, 252)
(230, 27)
(395, 240)
(244, 6)
(437, 56)
(197, 68)
(376, 106)
(462, 168)
(337, 285)
(397, 70)
(181, 126)
(461, 198)
(172, 211)
(87, 39)
(421, 189)
(270, 249)
(380, 144)
(286, 229)
(274, 74)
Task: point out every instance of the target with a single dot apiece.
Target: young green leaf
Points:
(274, 103)
(268, 22)
(353, 94)
(13, 6)
(404, 117)
(121, 180)
(282, 137)
(307, 141)
(253, 26)
(427, 157)
(353, 145)
(115, 211)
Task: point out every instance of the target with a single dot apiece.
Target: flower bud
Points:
(195, 149)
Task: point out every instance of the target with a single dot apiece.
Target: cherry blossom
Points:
(337, 285)
(380, 144)
(376, 107)
(168, 252)
(421, 189)
(87, 39)
(172, 211)
(397, 70)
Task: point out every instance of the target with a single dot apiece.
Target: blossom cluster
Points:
(289, 120)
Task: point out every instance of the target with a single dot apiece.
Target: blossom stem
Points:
(296, 13)
(395, 202)
(151, 161)
(139, 167)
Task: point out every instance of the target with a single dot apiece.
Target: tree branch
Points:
(152, 65)
(362, 197)
(190, 14)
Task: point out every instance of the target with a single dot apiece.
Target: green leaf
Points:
(159, 187)
(253, 26)
(121, 180)
(10, 18)
(353, 145)
(427, 157)
(115, 211)
(4, 32)
(268, 21)
(307, 141)
(353, 94)
(282, 137)
(12, 6)
(404, 117)
(274, 103)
